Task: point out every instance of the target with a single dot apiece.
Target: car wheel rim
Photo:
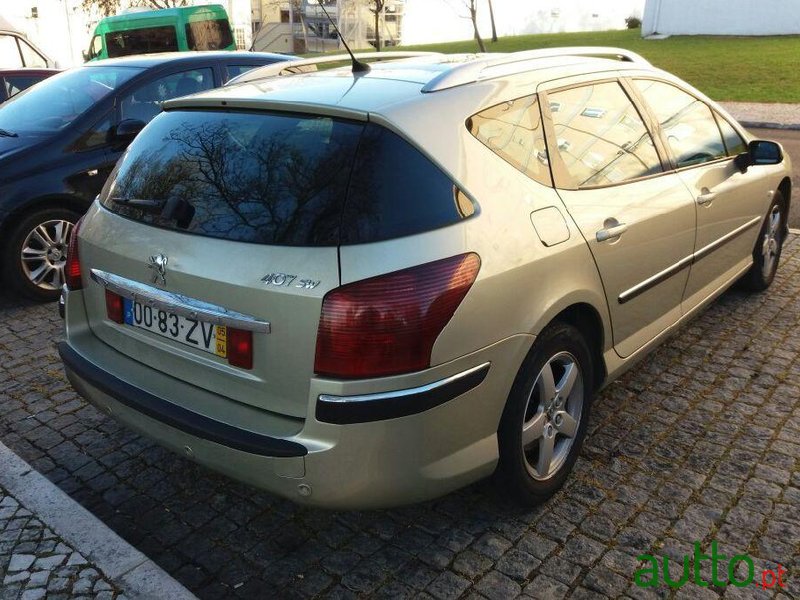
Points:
(44, 254)
(771, 243)
(552, 416)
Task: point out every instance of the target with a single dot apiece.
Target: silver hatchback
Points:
(363, 289)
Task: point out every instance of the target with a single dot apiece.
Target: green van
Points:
(166, 30)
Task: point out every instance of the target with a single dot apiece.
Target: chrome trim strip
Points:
(651, 282)
(403, 393)
(706, 250)
(178, 304)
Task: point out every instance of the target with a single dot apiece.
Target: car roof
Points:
(388, 83)
(29, 71)
(145, 61)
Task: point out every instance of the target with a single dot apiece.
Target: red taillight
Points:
(114, 307)
(72, 268)
(388, 324)
(240, 348)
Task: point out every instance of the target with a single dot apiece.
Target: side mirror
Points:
(86, 56)
(759, 152)
(126, 131)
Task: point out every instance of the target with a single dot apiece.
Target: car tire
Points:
(36, 251)
(767, 251)
(537, 416)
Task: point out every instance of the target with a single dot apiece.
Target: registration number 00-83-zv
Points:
(199, 334)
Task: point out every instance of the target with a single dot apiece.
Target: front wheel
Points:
(36, 252)
(546, 416)
(767, 251)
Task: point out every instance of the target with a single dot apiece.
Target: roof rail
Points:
(292, 67)
(488, 65)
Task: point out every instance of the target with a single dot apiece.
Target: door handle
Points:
(612, 229)
(706, 197)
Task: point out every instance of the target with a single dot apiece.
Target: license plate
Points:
(199, 334)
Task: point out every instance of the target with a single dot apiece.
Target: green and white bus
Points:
(166, 30)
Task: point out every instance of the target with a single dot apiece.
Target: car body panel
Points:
(527, 279)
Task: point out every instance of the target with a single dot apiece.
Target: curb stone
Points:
(129, 569)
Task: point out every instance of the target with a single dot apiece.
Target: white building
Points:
(429, 21)
(721, 17)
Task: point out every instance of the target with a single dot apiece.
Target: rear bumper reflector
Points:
(175, 416)
(343, 410)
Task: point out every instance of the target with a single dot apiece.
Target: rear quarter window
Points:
(396, 191)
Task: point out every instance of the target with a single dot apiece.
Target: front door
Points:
(730, 205)
(638, 220)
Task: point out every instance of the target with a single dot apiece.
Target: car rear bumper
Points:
(388, 447)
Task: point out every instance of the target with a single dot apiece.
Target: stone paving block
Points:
(699, 441)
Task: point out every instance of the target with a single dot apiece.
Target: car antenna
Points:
(358, 66)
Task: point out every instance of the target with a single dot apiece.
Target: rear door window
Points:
(142, 41)
(600, 136)
(31, 57)
(688, 124)
(212, 34)
(243, 176)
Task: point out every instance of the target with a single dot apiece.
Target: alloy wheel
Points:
(552, 416)
(44, 253)
(771, 243)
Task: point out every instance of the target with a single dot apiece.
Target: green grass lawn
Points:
(750, 69)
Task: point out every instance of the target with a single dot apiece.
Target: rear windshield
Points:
(142, 41)
(280, 179)
(212, 34)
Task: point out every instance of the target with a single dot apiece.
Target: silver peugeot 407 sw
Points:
(370, 287)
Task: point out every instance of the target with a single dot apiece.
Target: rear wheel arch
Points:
(586, 319)
(19, 213)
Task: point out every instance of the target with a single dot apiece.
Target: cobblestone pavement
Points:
(35, 563)
(699, 442)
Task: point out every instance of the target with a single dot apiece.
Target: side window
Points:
(16, 83)
(144, 103)
(600, 136)
(236, 70)
(734, 143)
(98, 135)
(212, 34)
(96, 47)
(9, 52)
(31, 57)
(142, 41)
(688, 124)
(396, 191)
(513, 130)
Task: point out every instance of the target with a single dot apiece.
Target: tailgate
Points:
(229, 275)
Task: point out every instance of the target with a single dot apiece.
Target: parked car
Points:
(368, 289)
(166, 30)
(59, 141)
(13, 81)
(17, 51)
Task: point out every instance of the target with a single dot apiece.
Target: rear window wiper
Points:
(6, 133)
(144, 203)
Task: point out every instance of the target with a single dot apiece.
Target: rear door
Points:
(638, 219)
(229, 212)
(729, 204)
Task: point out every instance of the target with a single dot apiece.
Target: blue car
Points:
(59, 141)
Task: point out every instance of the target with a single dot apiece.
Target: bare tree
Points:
(472, 14)
(110, 7)
(376, 8)
(491, 17)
